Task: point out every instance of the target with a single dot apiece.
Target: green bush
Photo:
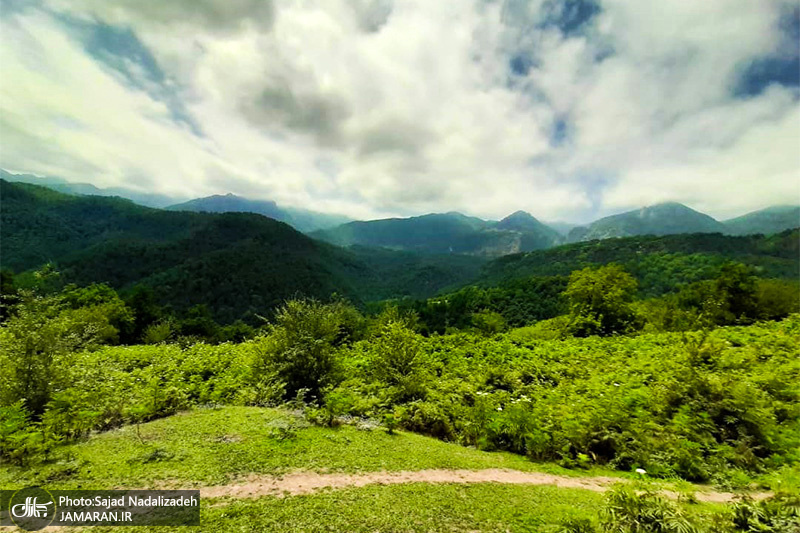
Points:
(600, 301)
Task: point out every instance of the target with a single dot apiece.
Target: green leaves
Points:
(600, 301)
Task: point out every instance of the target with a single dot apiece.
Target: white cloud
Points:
(411, 104)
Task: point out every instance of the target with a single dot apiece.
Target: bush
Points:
(301, 346)
(628, 511)
(600, 301)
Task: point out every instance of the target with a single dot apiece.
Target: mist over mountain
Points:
(301, 219)
(86, 189)
(769, 220)
(660, 219)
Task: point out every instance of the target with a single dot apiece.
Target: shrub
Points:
(600, 301)
(301, 346)
(628, 511)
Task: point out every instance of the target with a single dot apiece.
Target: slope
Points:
(661, 219)
(237, 263)
(84, 189)
(447, 233)
(660, 263)
(765, 221)
(300, 219)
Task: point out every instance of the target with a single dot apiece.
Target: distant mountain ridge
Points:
(766, 221)
(87, 189)
(447, 233)
(239, 264)
(661, 219)
(455, 233)
(300, 219)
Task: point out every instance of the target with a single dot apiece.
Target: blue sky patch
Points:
(569, 16)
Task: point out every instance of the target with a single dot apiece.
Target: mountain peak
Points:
(659, 219)
(520, 221)
(520, 215)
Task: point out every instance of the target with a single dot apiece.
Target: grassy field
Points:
(415, 507)
(216, 446)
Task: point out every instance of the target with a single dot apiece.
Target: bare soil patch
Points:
(308, 482)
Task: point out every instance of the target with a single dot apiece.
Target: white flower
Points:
(641, 471)
(499, 408)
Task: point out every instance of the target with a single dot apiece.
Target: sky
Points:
(570, 110)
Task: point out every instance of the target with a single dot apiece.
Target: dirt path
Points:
(307, 482)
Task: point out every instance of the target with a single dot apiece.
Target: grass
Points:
(403, 508)
(213, 446)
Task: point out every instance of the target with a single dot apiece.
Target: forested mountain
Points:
(661, 263)
(83, 189)
(236, 263)
(766, 221)
(447, 233)
(661, 219)
(300, 219)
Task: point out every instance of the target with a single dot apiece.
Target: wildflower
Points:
(499, 408)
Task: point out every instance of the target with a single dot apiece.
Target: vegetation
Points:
(676, 356)
(238, 265)
(701, 406)
(661, 219)
(447, 233)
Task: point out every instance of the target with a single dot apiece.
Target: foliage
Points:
(628, 511)
(660, 264)
(599, 301)
(777, 514)
(702, 406)
(300, 346)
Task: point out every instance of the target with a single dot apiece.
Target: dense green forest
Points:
(236, 264)
(447, 233)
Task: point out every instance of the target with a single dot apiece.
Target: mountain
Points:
(447, 233)
(765, 221)
(660, 263)
(301, 219)
(661, 219)
(84, 189)
(534, 234)
(239, 264)
(563, 228)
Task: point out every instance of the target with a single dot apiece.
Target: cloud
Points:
(569, 109)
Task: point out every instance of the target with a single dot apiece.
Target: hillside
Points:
(300, 219)
(660, 263)
(447, 233)
(526, 424)
(661, 219)
(85, 189)
(765, 221)
(236, 263)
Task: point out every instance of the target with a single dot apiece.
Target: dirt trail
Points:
(306, 482)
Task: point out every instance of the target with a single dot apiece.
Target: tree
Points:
(736, 286)
(600, 301)
(300, 347)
